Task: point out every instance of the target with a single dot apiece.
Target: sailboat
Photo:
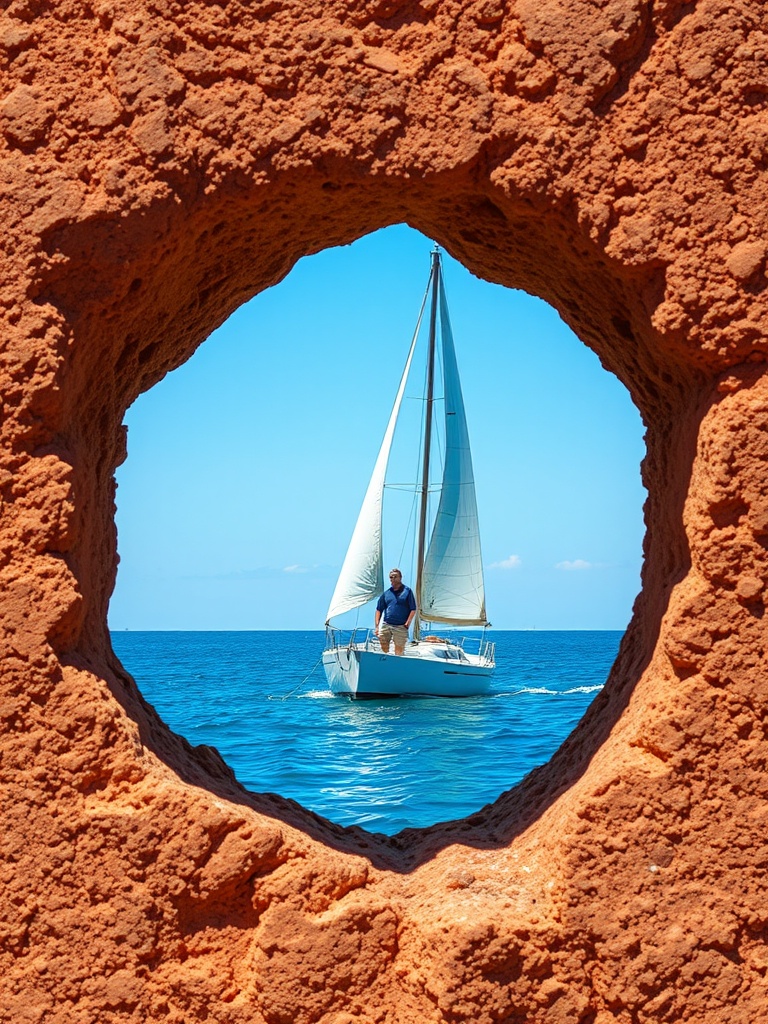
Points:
(449, 587)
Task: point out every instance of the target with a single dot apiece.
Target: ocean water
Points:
(262, 700)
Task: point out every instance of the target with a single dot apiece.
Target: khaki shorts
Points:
(397, 633)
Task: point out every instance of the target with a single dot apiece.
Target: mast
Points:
(422, 535)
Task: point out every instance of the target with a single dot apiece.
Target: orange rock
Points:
(746, 259)
(608, 157)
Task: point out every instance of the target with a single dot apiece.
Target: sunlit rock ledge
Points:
(162, 163)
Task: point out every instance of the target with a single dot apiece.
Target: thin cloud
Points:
(575, 565)
(316, 569)
(513, 562)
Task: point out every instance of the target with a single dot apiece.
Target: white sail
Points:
(362, 574)
(452, 588)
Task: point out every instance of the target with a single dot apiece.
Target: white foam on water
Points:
(547, 690)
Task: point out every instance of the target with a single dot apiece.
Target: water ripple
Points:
(386, 765)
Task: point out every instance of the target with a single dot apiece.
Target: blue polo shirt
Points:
(396, 607)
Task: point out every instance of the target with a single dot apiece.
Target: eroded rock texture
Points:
(161, 162)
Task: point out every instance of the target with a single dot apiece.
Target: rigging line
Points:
(413, 532)
(410, 530)
(441, 442)
(417, 331)
(299, 685)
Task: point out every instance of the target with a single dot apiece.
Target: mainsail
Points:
(362, 574)
(450, 582)
(452, 589)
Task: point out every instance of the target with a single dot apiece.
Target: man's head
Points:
(395, 578)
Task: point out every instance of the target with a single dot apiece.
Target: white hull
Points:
(425, 670)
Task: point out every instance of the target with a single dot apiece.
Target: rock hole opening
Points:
(245, 473)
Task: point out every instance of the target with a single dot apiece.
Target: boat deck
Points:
(436, 668)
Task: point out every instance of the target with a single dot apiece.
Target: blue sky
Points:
(246, 466)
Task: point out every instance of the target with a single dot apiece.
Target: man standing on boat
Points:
(398, 608)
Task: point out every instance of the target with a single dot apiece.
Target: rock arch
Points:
(162, 162)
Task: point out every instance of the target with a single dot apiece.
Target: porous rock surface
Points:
(161, 162)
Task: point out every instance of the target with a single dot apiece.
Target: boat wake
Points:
(536, 690)
(546, 690)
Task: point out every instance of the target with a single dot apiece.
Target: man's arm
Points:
(412, 606)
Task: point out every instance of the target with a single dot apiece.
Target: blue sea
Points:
(262, 700)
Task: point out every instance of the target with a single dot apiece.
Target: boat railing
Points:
(338, 637)
(477, 646)
(350, 637)
(372, 641)
(488, 652)
(484, 649)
